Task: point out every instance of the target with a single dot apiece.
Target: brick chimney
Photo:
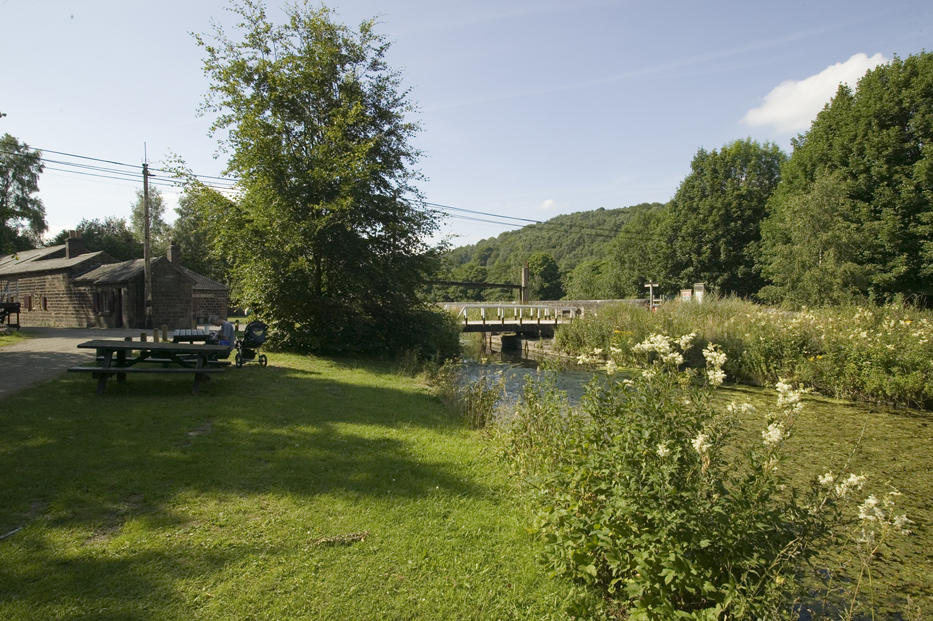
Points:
(174, 254)
(74, 245)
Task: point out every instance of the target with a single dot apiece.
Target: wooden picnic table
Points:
(121, 357)
(190, 336)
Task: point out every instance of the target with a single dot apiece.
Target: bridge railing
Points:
(515, 313)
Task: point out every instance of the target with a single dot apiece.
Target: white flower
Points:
(899, 524)
(597, 352)
(656, 342)
(611, 367)
(827, 479)
(582, 359)
(869, 510)
(715, 376)
(686, 341)
(745, 408)
(650, 373)
(854, 482)
(615, 351)
(773, 435)
(701, 443)
(663, 451)
(713, 356)
(673, 358)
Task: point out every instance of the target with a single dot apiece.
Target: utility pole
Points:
(147, 252)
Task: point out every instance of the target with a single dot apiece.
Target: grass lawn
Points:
(11, 337)
(310, 489)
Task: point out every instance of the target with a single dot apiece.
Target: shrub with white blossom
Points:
(651, 501)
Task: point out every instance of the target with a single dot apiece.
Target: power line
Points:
(447, 210)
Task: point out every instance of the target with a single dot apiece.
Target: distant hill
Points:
(570, 239)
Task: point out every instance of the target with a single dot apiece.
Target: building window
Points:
(45, 303)
(27, 302)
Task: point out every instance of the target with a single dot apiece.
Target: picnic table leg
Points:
(197, 376)
(121, 361)
(102, 381)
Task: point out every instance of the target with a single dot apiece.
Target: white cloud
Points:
(546, 205)
(793, 104)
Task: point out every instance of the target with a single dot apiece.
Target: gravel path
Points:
(48, 354)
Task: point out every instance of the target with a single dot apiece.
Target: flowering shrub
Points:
(882, 353)
(646, 496)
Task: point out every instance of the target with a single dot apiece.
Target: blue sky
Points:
(529, 109)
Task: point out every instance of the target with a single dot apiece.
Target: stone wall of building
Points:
(207, 303)
(172, 293)
(52, 300)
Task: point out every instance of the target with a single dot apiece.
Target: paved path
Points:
(47, 354)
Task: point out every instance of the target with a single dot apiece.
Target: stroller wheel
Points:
(263, 360)
(239, 361)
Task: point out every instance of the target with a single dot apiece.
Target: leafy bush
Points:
(878, 353)
(647, 496)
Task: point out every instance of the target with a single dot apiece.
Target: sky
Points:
(528, 109)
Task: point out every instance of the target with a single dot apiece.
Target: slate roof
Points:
(34, 261)
(114, 273)
(203, 283)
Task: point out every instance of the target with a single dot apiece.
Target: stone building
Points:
(65, 286)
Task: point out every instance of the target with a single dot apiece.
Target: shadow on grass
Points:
(78, 467)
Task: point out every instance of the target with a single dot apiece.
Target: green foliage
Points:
(110, 234)
(869, 353)
(637, 254)
(192, 229)
(545, 277)
(571, 240)
(588, 281)
(650, 501)
(22, 215)
(814, 245)
(867, 159)
(327, 243)
(159, 230)
(713, 221)
(473, 401)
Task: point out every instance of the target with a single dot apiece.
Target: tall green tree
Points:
(111, 234)
(193, 229)
(637, 254)
(22, 215)
(545, 277)
(328, 240)
(714, 219)
(874, 145)
(159, 230)
(814, 247)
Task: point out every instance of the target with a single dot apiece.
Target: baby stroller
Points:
(251, 340)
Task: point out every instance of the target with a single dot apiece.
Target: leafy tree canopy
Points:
(637, 255)
(327, 241)
(545, 277)
(112, 235)
(868, 159)
(714, 219)
(159, 230)
(22, 215)
(193, 229)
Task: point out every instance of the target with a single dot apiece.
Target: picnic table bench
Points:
(117, 358)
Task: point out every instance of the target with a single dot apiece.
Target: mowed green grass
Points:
(310, 489)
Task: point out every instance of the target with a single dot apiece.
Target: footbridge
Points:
(528, 319)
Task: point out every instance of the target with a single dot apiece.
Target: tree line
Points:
(328, 236)
(848, 214)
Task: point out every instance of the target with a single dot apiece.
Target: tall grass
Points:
(878, 353)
